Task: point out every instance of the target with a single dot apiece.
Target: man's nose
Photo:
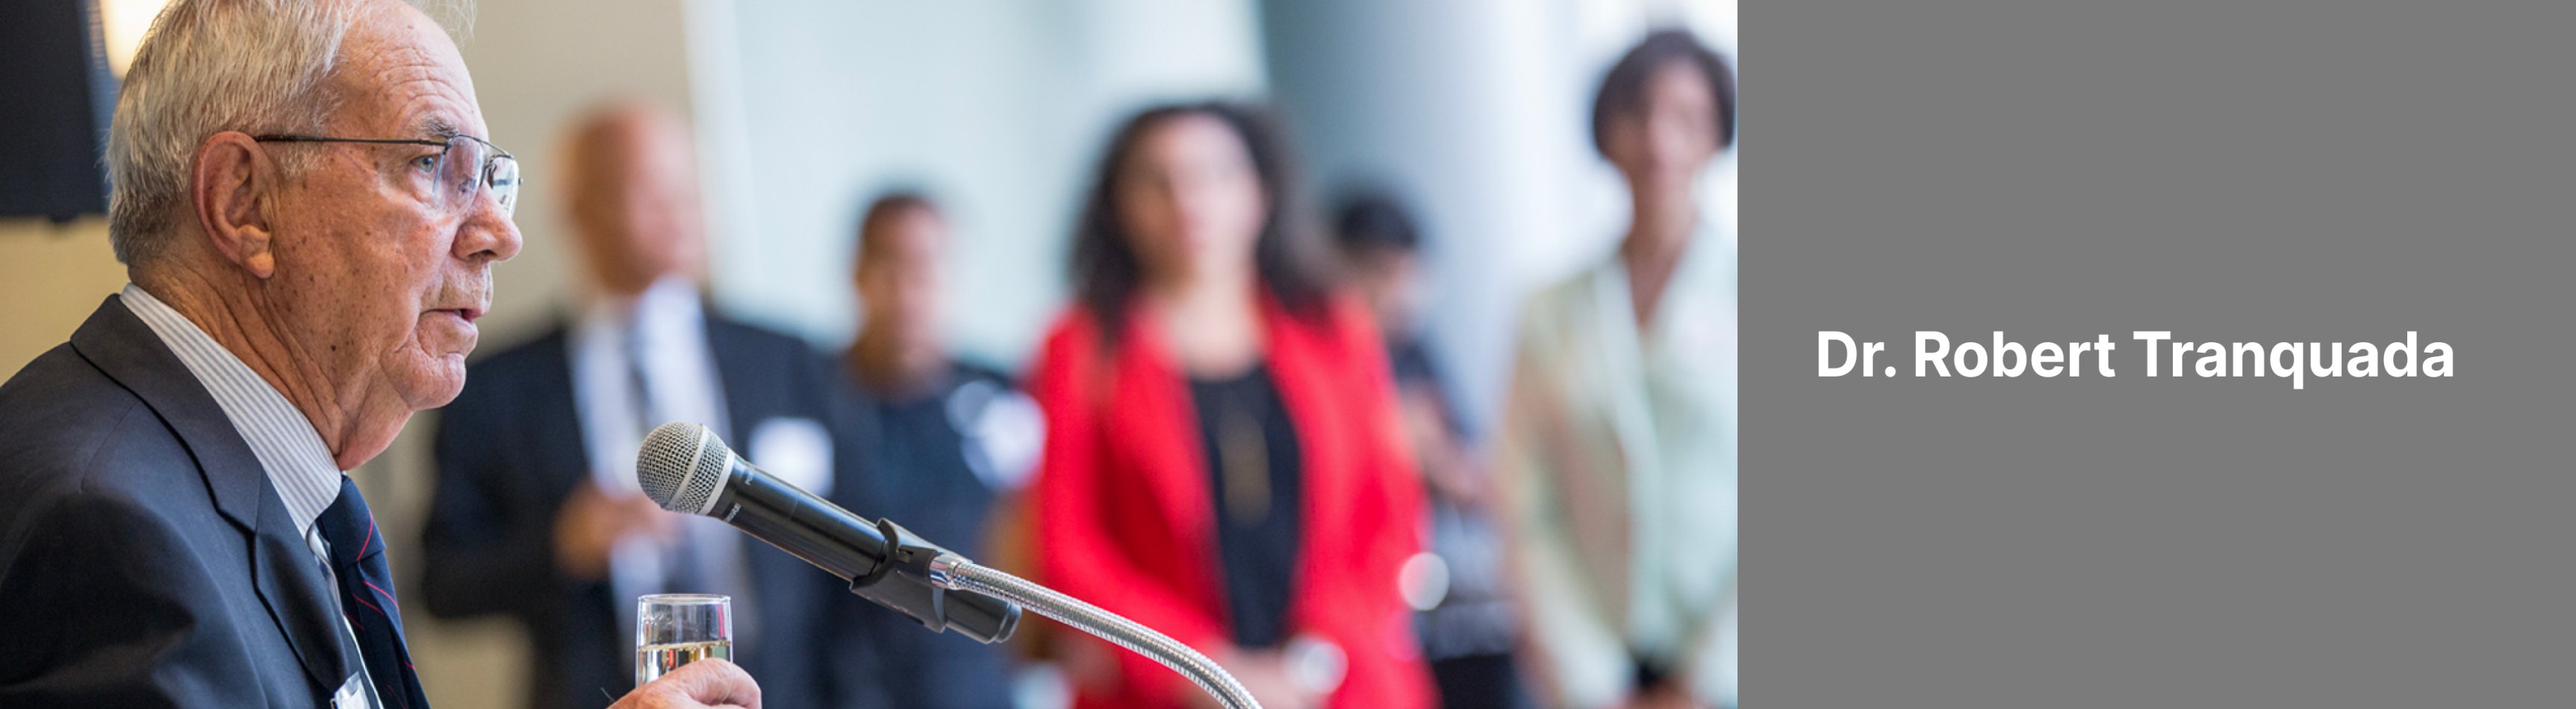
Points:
(489, 236)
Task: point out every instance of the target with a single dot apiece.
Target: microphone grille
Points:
(681, 465)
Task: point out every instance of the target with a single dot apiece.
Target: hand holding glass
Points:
(675, 629)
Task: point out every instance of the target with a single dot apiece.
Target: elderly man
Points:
(537, 515)
(309, 212)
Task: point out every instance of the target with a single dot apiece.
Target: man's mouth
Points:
(466, 314)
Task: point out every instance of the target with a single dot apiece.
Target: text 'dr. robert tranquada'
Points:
(1837, 354)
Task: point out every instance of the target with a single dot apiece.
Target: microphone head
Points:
(682, 466)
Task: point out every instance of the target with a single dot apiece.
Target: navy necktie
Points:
(367, 596)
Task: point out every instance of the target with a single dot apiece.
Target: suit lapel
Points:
(127, 350)
(553, 421)
(774, 574)
(740, 398)
(299, 596)
(289, 580)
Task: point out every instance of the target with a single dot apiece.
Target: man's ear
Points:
(233, 174)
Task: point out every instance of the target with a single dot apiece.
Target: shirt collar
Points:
(299, 465)
(666, 313)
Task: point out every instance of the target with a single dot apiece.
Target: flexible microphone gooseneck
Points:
(685, 469)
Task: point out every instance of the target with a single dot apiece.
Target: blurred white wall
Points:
(996, 107)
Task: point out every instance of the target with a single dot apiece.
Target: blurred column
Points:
(1472, 112)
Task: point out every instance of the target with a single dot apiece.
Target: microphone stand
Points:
(921, 572)
(957, 573)
(928, 571)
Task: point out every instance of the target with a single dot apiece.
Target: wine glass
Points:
(674, 629)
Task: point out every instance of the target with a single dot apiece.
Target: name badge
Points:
(796, 450)
(352, 695)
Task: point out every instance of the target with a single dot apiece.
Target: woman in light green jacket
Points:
(1620, 448)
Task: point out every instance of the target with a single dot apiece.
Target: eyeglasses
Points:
(464, 164)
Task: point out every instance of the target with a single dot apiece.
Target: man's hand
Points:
(704, 684)
(593, 520)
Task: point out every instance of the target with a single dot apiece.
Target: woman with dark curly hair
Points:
(1223, 459)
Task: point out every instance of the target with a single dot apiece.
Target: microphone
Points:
(685, 469)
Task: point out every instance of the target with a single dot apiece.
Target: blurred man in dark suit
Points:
(952, 437)
(537, 514)
(309, 208)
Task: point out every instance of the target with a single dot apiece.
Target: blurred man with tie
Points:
(309, 207)
(537, 514)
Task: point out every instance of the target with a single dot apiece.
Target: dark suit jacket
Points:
(145, 560)
(510, 450)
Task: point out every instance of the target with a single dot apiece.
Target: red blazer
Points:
(1126, 517)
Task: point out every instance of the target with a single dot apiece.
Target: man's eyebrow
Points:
(437, 127)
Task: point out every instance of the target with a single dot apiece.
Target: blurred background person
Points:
(1620, 445)
(536, 514)
(952, 438)
(1469, 628)
(1223, 458)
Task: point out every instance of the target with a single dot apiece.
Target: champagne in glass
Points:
(675, 629)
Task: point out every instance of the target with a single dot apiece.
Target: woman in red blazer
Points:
(1224, 461)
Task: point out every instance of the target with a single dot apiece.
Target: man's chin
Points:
(435, 383)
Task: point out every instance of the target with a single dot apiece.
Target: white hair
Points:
(205, 67)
